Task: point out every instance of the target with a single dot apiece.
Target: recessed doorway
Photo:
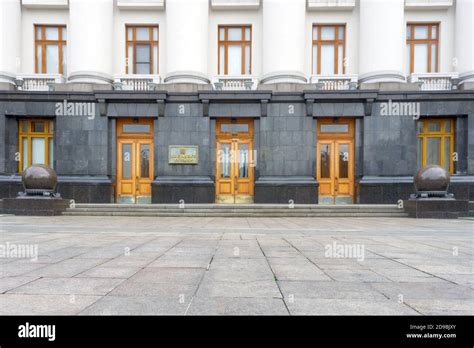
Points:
(134, 160)
(335, 161)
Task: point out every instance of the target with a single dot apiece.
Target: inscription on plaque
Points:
(180, 154)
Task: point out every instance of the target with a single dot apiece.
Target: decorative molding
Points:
(235, 4)
(284, 77)
(331, 5)
(205, 107)
(90, 77)
(368, 107)
(186, 77)
(428, 4)
(309, 107)
(161, 107)
(45, 4)
(102, 107)
(264, 108)
(382, 76)
(141, 4)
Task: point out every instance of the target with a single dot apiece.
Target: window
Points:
(329, 49)
(50, 49)
(422, 48)
(36, 143)
(141, 49)
(235, 50)
(436, 143)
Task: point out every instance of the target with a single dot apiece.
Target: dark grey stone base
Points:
(187, 189)
(80, 189)
(300, 190)
(389, 190)
(34, 206)
(429, 208)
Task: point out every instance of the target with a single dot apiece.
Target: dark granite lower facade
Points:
(183, 190)
(392, 189)
(286, 190)
(285, 140)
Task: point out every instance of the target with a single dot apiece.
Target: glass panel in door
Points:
(326, 172)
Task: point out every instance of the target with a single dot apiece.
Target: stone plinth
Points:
(432, 208)
(34, 206)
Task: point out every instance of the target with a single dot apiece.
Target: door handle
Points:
(137, 186)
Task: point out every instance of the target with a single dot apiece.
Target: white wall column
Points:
(90, 37)
(283, 41)
(465, 40)
(382, 41)
(10, 39)
(187, 27)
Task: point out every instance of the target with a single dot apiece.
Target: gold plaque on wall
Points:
(183, 154)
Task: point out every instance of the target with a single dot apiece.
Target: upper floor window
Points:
(36, 142)
(142, 49)
(329, 49)
(436, 143)
(422, 47)
(50, 49)
(235, 50)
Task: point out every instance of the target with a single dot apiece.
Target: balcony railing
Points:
(234, 83)
(38, 82)
(136, 82)
(334, 82)
(435, 81)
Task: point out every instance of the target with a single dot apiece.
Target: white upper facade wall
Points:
(191, 46)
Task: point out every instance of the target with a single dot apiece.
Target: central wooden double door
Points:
(134, 160)
(335, 161)
(234, 161)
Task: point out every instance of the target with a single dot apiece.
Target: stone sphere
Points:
(39, 177)
(431, 178)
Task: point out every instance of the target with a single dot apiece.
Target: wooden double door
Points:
(234, 161)
(335, 161)
(134, 161)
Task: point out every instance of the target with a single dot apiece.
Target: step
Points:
(237, 210)
(193, 210)
(235, 206)
(237, 214)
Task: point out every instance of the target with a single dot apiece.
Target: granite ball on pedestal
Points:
(431, 178)
(39, 177)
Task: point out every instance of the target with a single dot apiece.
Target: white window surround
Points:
(45, 4)
(141, 4)
(235, 4)
(331, 5)
(428, 4)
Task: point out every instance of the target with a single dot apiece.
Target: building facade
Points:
(265, 101)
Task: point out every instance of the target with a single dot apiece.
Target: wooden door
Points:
(234, 161)
(134, 160)
(335, 161)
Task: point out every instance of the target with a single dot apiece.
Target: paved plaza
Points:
(236, 266)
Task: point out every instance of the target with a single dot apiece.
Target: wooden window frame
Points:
(411, 41)
(439, 134)
(226, 43)
(336, 43)
(62, 45)
(134, 42)
(47, 134)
